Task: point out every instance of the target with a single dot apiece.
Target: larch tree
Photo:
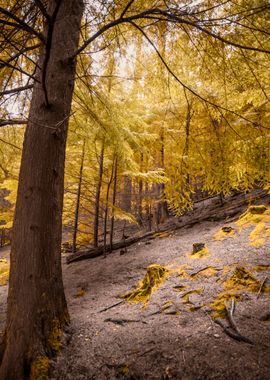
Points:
(40, 42)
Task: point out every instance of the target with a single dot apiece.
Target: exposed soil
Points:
(130, 341)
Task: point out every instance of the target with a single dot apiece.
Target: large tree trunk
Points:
(37, 309)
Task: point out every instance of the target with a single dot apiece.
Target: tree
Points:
(37, 307)
(54, 28)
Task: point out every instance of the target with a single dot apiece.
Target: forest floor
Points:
(174, 335)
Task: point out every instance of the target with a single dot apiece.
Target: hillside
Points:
(174, 335)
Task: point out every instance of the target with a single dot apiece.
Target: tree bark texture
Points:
(37, 308)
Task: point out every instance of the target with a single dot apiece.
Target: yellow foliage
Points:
(155, 276)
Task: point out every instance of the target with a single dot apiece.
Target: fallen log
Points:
(231, 207)
(99, 251)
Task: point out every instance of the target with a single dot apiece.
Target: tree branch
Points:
(20, 24)
(126, 8)
(15, 90)
(168, 17)
(183, 84)
(4, 122)
(42, 9)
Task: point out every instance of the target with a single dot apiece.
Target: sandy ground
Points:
(130, 341)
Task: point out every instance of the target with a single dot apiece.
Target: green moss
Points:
(256, 209)
(261, 268)
(200, 254)
(221, 234)
(206, 272)
(242, 279)
(219, 304)
(186, 295)
(155, 276)
(40, 368)
(55, 335)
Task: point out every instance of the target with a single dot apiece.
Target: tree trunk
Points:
(127, 194)
(37, 309)
(113, 202)
(98, 189)
(107, 207)
(77, 209)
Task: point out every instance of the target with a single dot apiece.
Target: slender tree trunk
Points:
(98, 189)
(106, 208)
(77, 209)
(140, 195)
(37, 309)
(113, 202)
(127, 194)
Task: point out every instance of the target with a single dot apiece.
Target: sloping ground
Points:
(173, 336)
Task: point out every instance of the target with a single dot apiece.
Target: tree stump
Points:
(197, 247)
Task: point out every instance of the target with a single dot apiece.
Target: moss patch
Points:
(222, 235)
(186, 295)
(206, 272)
(4, 272)
(55, 335)
(200, 254)
(259, 217)
(182, 273)
(261, 268)
(40, 368)
(154, 277)
(242, 279)
(219, 304)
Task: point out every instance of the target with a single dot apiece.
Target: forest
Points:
(134, 189)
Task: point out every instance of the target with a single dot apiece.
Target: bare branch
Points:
(164, 15)
(6, 122)
(126, 8)
(17, 68)
(20, 24)
(16, 90)
(42, 9)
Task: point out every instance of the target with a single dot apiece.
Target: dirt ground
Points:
(130, 341)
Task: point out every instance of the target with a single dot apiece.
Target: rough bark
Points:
(37, 308)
